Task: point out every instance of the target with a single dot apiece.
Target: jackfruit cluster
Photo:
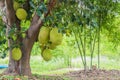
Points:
(49, 39)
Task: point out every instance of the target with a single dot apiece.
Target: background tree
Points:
(88, 20)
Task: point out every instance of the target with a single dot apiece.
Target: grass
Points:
(39, 66)
(55, 68)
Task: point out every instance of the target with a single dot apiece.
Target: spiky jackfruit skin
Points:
(21, 14)
(47, 54)
(16, 54)
(55, 36)
(16, 5)
(43, 36)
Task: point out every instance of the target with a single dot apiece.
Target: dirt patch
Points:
(90, 74)
(94, 74)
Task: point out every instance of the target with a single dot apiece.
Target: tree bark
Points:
(22, 67)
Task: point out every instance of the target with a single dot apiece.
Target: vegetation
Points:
(58, 31)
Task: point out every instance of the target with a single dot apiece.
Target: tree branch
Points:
(37, 22)
(51, 4)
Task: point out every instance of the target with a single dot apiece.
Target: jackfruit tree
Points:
(20, 42)
(44, 24)
(46, 21)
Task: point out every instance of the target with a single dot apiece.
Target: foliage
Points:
(36, 50)
(87, 21)
(112, 31)
(3, 40)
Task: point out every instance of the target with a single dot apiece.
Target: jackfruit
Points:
(16, 54)
(47, 55)
(55, 36)
(43, 36)
(21, 14)
(16, 5)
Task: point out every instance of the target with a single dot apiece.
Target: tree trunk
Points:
(22, 67)
(26, 50)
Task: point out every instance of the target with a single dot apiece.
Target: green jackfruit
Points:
(47, 54)
(43, 36)
(16, 54)
(21, 14)
(55, 36)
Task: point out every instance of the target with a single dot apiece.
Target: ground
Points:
(89, 74)
(94, 74)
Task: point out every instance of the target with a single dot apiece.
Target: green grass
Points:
(55, 66)
(40, 66)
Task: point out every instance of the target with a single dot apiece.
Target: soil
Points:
(94, 74)
(89, 74)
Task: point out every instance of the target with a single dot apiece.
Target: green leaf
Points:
(41, 9)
